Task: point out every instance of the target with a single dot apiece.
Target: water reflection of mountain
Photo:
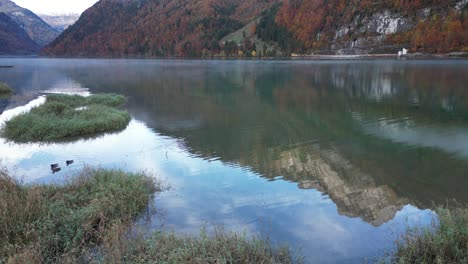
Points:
(355, 193)
(28, 78)
(305, 123)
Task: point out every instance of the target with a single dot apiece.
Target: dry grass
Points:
(445, 242)
(163, 247)
(49, 224)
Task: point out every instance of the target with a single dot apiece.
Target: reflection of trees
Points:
(299, 121)
(29, 79)
(393, 91)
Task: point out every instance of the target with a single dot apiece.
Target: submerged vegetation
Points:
(64, 117)
(5, 89)
(445, 242)
(87, 220)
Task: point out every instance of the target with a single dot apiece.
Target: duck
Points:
(54, 166)
(54, 170)
(69, 162)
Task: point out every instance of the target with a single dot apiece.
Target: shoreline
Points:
(386, 56)
(415, 56)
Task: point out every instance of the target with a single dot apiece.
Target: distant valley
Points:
(24, 33)
(59, 22)
(38, 30)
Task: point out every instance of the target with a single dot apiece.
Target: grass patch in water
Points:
(5, 90)
(49, 223)
(445, 242)
(64, 117)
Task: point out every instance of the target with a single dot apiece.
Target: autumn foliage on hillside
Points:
(155, 27)
(314, 22)
(437, 34)
(117, 28)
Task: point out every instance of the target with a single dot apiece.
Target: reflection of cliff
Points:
(355, 193)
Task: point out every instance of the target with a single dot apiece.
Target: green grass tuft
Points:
(445, 242)
(5, 89)
(48, 223)
(111, 100)
(64, 117)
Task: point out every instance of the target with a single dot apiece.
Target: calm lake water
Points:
(334, 158)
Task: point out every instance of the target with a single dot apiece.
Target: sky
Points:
(56, 6)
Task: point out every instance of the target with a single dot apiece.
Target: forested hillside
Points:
(190, 28)
(155, 28)
(13, 39)
(424, 25)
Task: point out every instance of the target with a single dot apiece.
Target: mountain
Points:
(35, 27)
(264, 28)
(59, 22)
(155, 27)
(13, 39)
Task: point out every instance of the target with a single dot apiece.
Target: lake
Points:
(335, 158)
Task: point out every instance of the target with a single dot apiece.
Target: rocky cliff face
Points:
(378, 32)
(363, 26)
(370, 33)
(38, 30)
(13, 39)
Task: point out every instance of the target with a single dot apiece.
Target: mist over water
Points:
(335, 158)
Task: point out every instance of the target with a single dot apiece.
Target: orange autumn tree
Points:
(315, 22)
(439, 35)
(303, 18)
(436, 34)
